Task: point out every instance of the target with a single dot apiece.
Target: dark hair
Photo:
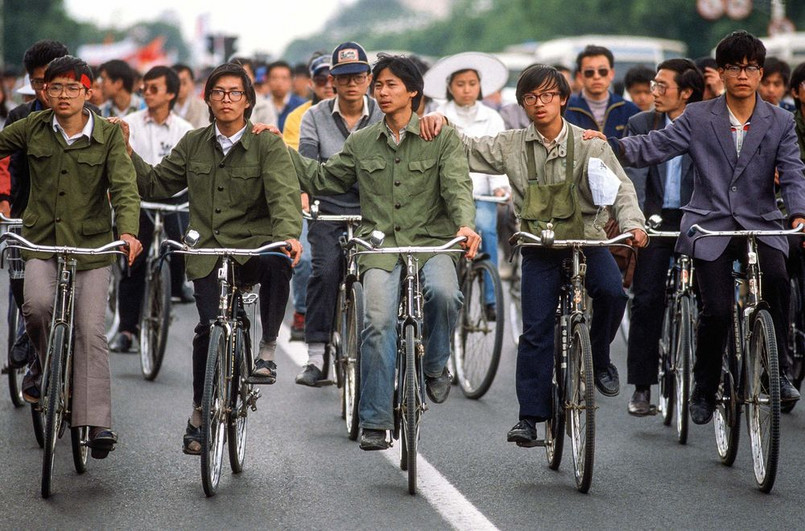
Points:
(42, 53)
(637, 75)
(562, 68)
(117, 69)
(243, 61)
(406, 70)
(686, 76)
(706, 62)
(592, 50)
(797, 77)
(457, 72)
(300, 69)
(231, 69)
(181, 67)
(277, 64)
(777, 66)
(740, 45)
(69, 67)
(171, 80)
(536, 76)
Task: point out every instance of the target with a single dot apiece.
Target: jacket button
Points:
(217, 210)
(397, 160)
(397, 205)
(734, 188)
(61, 193)
(58, 220)
(396, 183)
(397, 228)
(220, 188)
(221, 165)
(63, 172)
(217, 231)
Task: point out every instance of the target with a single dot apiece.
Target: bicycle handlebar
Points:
(165, 207)
(535, 241)
(109, 248)
(694, 229)
(493, 198)
(9, 221)
(181, 248)
(371, 249)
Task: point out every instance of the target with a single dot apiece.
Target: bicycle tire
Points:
(213, 414)
(335, 350)
(555, 426)
(796, 338)
(665, 376)
(155, 320)
(54, 405)
(237, 420)
(352, 359)
(14, 375)
(762, 397)
(38, 422)
(727, 415)
(480, 341)
(682, 367)
(581, 394)
(411, 408)
(78, 440)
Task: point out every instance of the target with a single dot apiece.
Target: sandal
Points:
(191, 442)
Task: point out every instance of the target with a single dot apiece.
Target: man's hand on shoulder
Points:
(589, 134)
(472, 243)
(260, 127)
(124, 128)
(430, 125)
(134, 247)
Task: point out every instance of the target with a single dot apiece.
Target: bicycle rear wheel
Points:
(54, 404)
(479, 341)
(726, 418)
(665, 376)
(155, 320)
(213, 411)
(581, 394)
(78, 439)
(796, 338)
(14, 375)
(555, 426)
(353, 326)
(240, 391)
(762, 395)
(411, 408)
(682, 366)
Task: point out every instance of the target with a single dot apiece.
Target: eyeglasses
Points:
(321, 81)
(545, 97)
(659, 88)
(735, 70)
(152, 89)
(218, 94)
(603, 72)
(37, 83)
(71, 91)
(346, 79)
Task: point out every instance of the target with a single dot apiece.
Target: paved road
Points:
(303, 472)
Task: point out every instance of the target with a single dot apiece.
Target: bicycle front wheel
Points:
(213, 411)
(581, 405)
(665, 376)
(14, 375)
(54, 404)
(555, 426)
(479, 339)
(239, 396)
(411, 407)
(762, 396)
(682, 366)
(155, 320)
(78, 439)
(353, 326)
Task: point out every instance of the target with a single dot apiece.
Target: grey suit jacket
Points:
(729, 192)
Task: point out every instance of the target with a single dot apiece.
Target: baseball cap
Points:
(318, 65)
(349, 58)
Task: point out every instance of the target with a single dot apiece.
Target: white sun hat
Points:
(26, 89)
(492, 71)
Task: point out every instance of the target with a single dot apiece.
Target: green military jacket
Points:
(417, 193)
(245, 199)
(71, 186)
(505, 153)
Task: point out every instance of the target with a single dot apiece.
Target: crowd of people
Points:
(413, 149)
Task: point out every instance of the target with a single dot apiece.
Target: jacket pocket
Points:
(90, 159)
(95, 226)
(29, 218)
(418, 173)
(695, 210)
(199, 167)
(372, 165)
(773, 215)
(245, 187)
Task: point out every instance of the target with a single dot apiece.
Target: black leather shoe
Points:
(373, 440)
(702, 405)
(607, 381)
(310, 376)
(120, 343)
(490, 312)
(640, 403)
(788, 393)
(524, 433)
(438, 387)
(191, 442)
(21, 352)
(101, 443)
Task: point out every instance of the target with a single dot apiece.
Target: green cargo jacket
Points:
(418, 193)
(71, 186)
(245, 199)
(505, 154)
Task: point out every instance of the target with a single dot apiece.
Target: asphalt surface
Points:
(303, 473)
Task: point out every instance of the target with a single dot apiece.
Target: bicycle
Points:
(342, 355)
(573, 381)
(409, 392)
(155, 313)
(229, 390)
(16, 325)
(796, 327)
(55, 403)
(678, 340)
(750, 372)
(478, 340)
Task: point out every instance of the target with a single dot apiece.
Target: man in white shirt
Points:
(153, 132)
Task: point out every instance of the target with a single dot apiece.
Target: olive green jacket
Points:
(418, 193)
(505, 154)
(245, 199)
(71, 186)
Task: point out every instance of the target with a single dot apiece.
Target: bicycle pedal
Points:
(260, 380)
(652, 410)
(325, 382)
(5, 370)
(532, 444)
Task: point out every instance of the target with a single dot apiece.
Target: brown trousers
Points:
(92, 396)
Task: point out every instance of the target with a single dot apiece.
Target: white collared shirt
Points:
(738, 129)
(227, 142)
(556, 147)
(364, 112)
(151, 140)
(87, 131)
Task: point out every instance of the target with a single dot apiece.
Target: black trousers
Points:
(322, 287)
(274, 276)
(716, 289)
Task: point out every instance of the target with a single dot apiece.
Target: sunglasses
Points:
(603, 72)
(321, 81)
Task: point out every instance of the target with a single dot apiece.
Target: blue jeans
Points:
(301, 273)
(541, 281)
(486, 223)
(443, 301)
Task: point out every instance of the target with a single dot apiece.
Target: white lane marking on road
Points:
(434, 487)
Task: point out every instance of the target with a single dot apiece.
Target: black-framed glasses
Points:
(590, 72)
(545, 97)
(37, 83)
(659, 88)
(71, 90)
(346, 79)
(735, 70)
(234, 95)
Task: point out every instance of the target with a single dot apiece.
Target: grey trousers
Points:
(92, 396)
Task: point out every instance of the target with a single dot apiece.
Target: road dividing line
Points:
(431, 485)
